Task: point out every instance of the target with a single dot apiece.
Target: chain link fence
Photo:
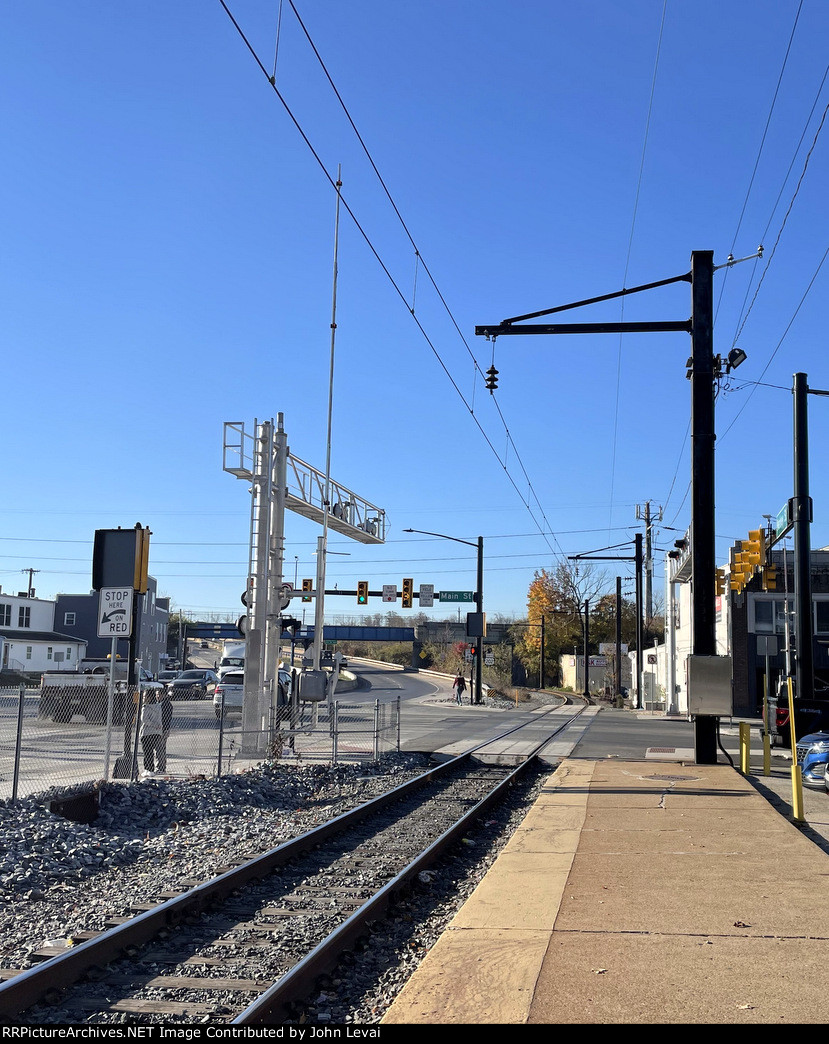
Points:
(49, 740)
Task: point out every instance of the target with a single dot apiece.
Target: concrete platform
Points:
(637, 892)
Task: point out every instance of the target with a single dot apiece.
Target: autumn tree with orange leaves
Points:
(559, 597)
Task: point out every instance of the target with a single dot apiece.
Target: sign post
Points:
(115, 621)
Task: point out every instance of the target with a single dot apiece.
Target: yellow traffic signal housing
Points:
(307, 586)
(755, 548)
(408, 592)
(770, 577)
(362, 592)
(720, 581)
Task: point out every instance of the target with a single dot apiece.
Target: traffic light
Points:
(290, 626)
(408, 593)
(362, 592)
(720, 581)
(307, 585)
(492, 379)
(473, 651)
(770, 577)
(755, 549)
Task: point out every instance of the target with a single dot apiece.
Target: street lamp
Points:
(479, 601)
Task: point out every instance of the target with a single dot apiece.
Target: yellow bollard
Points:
(797, 776)
(766, 754)
(797, 795)
(745, 748)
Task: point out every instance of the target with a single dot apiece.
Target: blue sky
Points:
(167, 260)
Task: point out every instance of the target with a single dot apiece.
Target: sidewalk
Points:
(638, 892)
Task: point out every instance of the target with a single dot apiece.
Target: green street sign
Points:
(783, 523)
(457, 596)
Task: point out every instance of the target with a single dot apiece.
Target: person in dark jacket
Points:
(166, 722)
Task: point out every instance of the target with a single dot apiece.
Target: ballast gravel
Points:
(59, 878)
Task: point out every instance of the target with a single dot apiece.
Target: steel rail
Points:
(29, 987)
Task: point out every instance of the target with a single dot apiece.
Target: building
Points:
(755, 627)
(30, 643)
(77, 614)
(602, 674)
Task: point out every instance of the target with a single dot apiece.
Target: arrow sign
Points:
(115, 612)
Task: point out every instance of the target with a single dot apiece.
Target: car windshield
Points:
(191, 675)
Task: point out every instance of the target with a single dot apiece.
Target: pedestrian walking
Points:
(152, 734)
(459, 687)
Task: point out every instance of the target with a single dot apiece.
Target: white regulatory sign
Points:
(389, 592)
(427, 596)
(115, 612)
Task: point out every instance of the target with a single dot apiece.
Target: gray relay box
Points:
(709, 685)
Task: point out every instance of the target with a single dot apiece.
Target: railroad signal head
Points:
(307, 586)
(408, 592)
(362, 592)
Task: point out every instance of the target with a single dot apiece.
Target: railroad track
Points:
(248, 946)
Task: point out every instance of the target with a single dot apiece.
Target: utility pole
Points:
(618, 636)
(644, 514)
(30, 593)
(587, 648)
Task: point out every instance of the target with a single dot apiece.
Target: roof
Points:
(23, 634)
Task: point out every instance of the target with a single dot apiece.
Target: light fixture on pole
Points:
(479, 602)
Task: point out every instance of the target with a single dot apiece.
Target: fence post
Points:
(398, 723)
(376, 730)
(139, 707)
(221, 738)
(19, 740)
(335, 731)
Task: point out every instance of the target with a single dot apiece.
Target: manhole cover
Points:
(671, 779)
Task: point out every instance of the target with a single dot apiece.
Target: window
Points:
(822, 617)
(768, 616)
(68, 652)
(49, 653)
(24, 616)
(28, 652)
(5, 615)
(68, 619)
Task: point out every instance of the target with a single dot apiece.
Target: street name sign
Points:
(457, 596)
(115, 612)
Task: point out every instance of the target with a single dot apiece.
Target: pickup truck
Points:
(85, 692)
(810, 716)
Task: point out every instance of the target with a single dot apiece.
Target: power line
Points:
(387, 273)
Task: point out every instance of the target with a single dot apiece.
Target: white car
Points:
(229, 693)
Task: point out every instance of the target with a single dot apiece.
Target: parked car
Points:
(165, 677)
(813, 757)
(193, 685)
(229, 693)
